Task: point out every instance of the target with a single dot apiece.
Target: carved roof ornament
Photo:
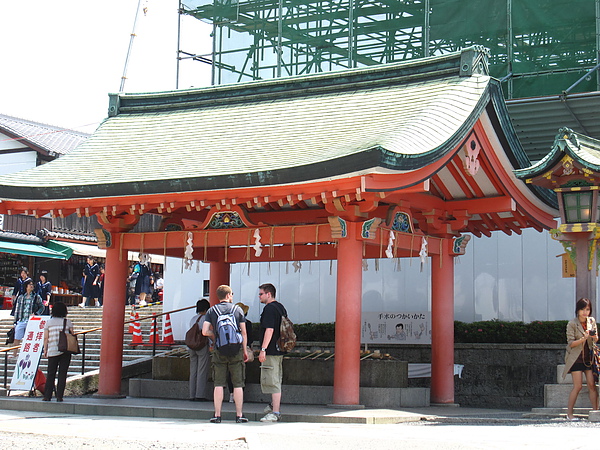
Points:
(566, 134)
(472, 149)
(568, 167)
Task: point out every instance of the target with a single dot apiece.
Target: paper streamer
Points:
(257, 245)
(389, 252)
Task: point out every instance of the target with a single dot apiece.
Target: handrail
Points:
(85, 332)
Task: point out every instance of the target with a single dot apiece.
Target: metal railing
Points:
(153, 317)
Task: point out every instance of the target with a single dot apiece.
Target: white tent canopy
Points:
(93, 250)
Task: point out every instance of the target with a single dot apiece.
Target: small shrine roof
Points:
(395, 117)
(583, 150)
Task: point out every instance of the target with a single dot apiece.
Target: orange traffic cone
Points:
(153, 333)
(132, 318)
(168, 332)
(137, 332)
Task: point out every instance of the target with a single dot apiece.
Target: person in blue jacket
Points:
(43, 288)
(91, 274)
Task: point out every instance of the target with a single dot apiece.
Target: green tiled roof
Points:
(583, 149)
(398, 117)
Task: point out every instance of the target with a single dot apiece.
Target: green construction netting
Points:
(546, 45)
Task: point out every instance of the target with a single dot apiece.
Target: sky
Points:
(60, 59)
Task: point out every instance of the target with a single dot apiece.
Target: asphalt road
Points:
(22, 430)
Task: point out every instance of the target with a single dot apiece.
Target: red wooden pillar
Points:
(111, 350)
(442, 326)
(219, 274)
(346, 372)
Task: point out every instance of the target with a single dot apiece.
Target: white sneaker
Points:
(97, 303)
(268, 409)
(81, 305)
(271, 417)
(231, 400)
(142, 303)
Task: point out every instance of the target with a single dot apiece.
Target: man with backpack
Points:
(271, 357)
(225, 325)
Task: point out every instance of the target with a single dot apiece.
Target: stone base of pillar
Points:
(331, 405)
(454, 405)
(108, 396)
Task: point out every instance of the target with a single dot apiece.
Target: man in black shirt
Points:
(270, 357)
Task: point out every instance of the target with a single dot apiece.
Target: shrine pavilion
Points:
(392, 161)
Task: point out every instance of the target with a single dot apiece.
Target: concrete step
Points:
(581, 413)
(557, 395)
(294, 394)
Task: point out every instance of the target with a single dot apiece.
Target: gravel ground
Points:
(37, 441)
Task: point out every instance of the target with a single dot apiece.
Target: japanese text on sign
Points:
(396, 328)
(29, 355)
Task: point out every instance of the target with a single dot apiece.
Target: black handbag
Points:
(10, 336)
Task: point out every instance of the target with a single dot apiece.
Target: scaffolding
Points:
(538, 47)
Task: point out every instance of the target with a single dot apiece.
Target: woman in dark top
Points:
(43, 288)
(91, 274)
(142, 273)
(582, 334)
(20, 286)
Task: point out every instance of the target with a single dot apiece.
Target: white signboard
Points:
(396, 328)
(29, 355)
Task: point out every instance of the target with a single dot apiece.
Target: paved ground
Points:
(31, 430)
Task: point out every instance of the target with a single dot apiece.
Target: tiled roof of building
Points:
(56, 141)
(396, 117)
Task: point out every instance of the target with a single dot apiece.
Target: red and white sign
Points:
(29, 355)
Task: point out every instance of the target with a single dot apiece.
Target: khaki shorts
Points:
(232, 364)
(271, 374)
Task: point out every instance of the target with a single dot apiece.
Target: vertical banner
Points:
(29, 355)
(396, 328)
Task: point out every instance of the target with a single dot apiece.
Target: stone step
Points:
(557, 395)
(294, 394)
(557, 412)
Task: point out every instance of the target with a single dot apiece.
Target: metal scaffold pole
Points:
(132, 36)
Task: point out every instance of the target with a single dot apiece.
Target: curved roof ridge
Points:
(583, 149)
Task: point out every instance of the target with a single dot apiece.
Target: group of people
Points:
(142, 284)
(228, 367)
(228, 363)
(32, 299)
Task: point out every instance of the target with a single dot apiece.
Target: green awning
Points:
(52, 250)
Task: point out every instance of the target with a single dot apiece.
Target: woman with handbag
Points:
(56, 359)
(200, 358)
(582, 334)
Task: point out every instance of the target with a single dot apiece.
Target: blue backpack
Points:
(228, 335)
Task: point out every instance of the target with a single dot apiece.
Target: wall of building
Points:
(17, 161)
(512, 278)
(507, 376)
